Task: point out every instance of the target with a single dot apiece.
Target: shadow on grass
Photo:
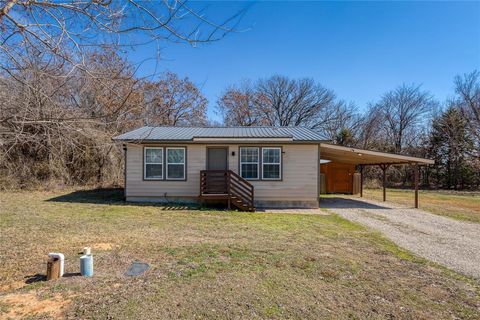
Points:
(71, 274)
(35, 278)
(95, 196)
(114, 196)
(41, 277)
(344, 203)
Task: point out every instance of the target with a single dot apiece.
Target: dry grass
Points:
(213, 265)
(458, 205)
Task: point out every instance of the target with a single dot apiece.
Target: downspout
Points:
(318, 175)
(125, 172)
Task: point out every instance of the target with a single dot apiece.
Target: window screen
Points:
(175, 163)
(249, 162)
(153, 163)
(271, 163)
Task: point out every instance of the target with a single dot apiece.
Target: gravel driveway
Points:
(454, 244)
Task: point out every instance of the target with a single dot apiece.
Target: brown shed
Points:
(340, 178)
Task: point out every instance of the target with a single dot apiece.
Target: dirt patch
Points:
(12, 286)
(104, 246)
(19, 305)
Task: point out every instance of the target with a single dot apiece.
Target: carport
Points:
(363, 158)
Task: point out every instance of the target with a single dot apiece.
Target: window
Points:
(175, 163)
(153, 163)
(271, 163)
(249, 162)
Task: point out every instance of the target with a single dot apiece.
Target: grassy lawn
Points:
(212, 264)
(458, 205)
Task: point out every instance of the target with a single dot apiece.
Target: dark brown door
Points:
(217, 158)
(342, 180)
(338, 177)
(217, 180)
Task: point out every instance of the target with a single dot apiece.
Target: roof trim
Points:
(357, 154)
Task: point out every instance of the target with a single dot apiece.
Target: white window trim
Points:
(184, 163)
(273, 163)
(145, 163)
(249, 162)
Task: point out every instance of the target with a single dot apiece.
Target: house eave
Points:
(221, 141)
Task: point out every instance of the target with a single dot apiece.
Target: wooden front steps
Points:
(226, 185)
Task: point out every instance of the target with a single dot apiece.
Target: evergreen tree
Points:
(449, 146)
(345, 137)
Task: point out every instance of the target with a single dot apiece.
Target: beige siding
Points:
(299, 174)
(137, 187)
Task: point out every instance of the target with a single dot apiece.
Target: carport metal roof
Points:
(366, 157)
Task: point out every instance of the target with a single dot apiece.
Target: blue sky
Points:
(358, 49)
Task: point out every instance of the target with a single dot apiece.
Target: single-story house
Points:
(246, 167)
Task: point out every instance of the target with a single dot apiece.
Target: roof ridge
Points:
(226, 127)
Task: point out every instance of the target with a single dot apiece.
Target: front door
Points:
(217, 158)
(217, 162)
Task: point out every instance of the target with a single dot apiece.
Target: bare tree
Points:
(467, 88)
(280, 101)
(370, 129)
(110, 93)
(65, 88)
(68, 30)
(340, 122)
(57, 125)
(239, 106)
(288, 102)
(403, 110)
(174, 101)
(111, 99)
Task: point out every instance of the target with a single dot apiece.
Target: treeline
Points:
(407, 119)
(56, 124)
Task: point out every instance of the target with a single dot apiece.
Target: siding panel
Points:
(299, 179)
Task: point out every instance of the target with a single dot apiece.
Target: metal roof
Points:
(203, 133)
(350, 155)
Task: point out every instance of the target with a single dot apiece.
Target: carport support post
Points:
(361, 181)
(415, 169)
(384, 169)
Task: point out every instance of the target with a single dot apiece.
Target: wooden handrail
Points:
(238, 184)
(235, 189)
(241, 189)
(236, 175)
